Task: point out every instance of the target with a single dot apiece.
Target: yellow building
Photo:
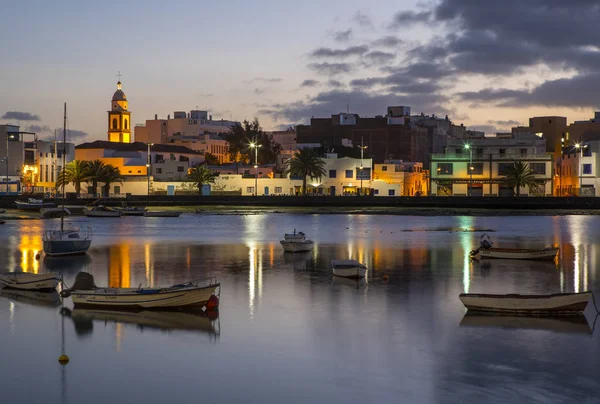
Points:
(119, 118)
(410, 176)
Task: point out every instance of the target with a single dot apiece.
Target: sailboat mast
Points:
(62, 216)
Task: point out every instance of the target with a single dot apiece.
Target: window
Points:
(587, 152)
(477, 168)
(278, 190)
(41, 154)
(587, 168)
(115, 123)
(504, 168)
(250, 190)
(444, 168)
(502, 152)
(458, 150)
(391, 192)
(523, 152)
(375, 192)
(41, 173)
(179, 169)
(349, 174)
(383, 168)
(139, 171)
(125, 126)
(538, 168)
(364, 174)
(129, 171)
(159, 171)
(117, 189)
(479, 152)
(332, 173)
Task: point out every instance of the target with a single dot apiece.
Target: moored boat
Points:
(66, 241)
(296, 242)
(348, 268)
(101, 211)
(487, 250)
(200, 293)
(131, 211)
(29, 281)
(559, 304)
(34, 204)
(164, 213)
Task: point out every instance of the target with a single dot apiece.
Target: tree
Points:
(201, 175)
(210, 159)
(306, 163)
(95, 169)
(521, 175)
(109, 175)
(240, 137)
(74, 172)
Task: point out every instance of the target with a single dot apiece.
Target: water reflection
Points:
(49, 299)
(68, 264)
(569, 324)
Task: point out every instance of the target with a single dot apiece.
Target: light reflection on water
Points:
(289, 324)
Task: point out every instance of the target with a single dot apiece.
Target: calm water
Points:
(288, 332)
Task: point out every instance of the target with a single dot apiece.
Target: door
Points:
(170, 189)
(332, 190)
(266, 190)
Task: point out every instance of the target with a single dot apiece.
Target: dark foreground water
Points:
(287, 332)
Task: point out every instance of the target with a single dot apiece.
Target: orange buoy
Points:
(63, 359)
(37, 256)
(212, 303)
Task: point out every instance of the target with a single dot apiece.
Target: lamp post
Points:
(580, 147)
(255, 146)
(149, 166)
(7, 137)
(362, 150)
(468, 147)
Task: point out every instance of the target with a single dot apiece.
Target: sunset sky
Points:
(490, 65)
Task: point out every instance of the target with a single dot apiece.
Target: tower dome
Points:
(119, 95)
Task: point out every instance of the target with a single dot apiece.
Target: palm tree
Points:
(521, 175)
(74, 172)
(305, 163)
(201, 175)
(95, 170)
(110, 174)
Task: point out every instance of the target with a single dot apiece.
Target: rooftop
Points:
(137, 146)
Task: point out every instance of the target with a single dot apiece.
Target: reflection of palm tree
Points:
(305, 163)
(521, 175)
(74, 172)
(110, 174)
(201, 175)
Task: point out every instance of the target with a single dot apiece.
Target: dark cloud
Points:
(20, 116)
(379, 57)
(364, 103)
(75, 135)
(405, 19)
(388, 42)
(363, 19)
(45, 132)
(489, 94)
(426, 87)
(340, 53)
(331, 69)
(309, 83)
(38, 128)
(335, 83)
(285, 126)
(342, 36)
(264, 80)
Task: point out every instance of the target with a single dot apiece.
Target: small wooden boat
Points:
(163, 213)
(131, 211)
(348, 268)
(487, 250)
(34, 204)
(29, 281)
(199, 293)
(559, 304)
(52, 213)
(101, 211)
(296, 242)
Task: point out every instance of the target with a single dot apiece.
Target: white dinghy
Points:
(296, 242)
(348, 269)
(487, 250)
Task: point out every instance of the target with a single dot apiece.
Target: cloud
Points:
(363, 19)
(388, 42)
(331, 69)
(47, 133)
(335, 83)
(379, 57)
(20, 116)
(342, 36)
(504, 124)
(285, 126)
(259, 91)
(264, 80)
(340, 53)
(309, 83)
(206, 95)
(75, 135)
(405, 19)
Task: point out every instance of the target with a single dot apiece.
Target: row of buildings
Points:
(404, 154)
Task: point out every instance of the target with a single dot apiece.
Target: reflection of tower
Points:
(119, 269)
(119, 118)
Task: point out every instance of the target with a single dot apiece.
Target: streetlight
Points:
(149, 166)
(255, 146)
(580, 147)
(362, 150)
(7, 137)
(468, 147)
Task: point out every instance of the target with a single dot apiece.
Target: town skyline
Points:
(475, 64)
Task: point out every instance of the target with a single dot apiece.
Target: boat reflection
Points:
(49, 299)
(567, 324)
(191, 321)
(525, 265)
(349, 282)
(70, 264)
(298, 260)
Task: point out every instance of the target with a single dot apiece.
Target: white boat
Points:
(348, 268)
(131, 211)
(559, 304)
(199, 293)
(487, 250)
(101, 211)
(29, 281)
(162, 213)
(34, 204)
(296, 242)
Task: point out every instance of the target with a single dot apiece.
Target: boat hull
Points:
(55, 248)
(162, 214)
(557, 304)
(130, 299)
(132, 213)
(505, 253)
(29, 281)
(293, 246)
(357, 272)
(90, 213)
(33, 206)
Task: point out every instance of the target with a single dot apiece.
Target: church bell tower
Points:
(119, 118)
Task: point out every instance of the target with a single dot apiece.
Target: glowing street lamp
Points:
(470, 149)
(6, 159)
(149, 166)
(255, 146)
(580, 147)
